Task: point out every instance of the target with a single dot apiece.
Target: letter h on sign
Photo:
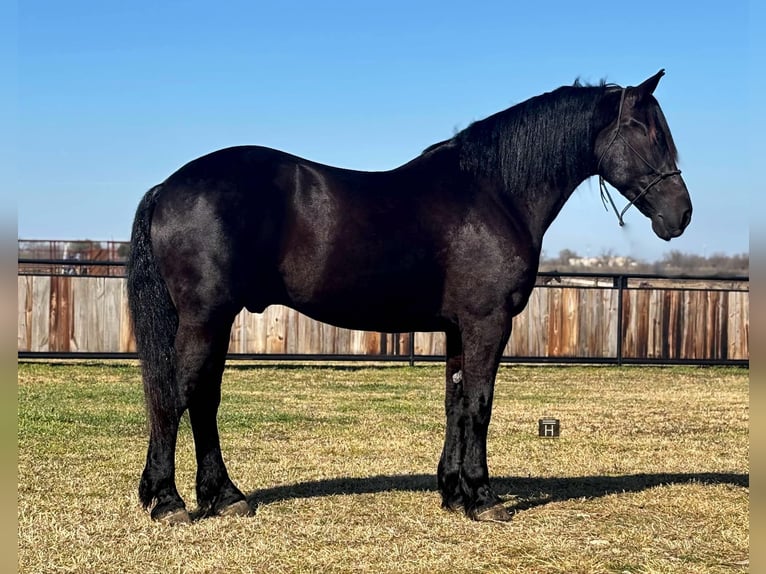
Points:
(548, 427)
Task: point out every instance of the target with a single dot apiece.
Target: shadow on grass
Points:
(521, 493)
(351, 365)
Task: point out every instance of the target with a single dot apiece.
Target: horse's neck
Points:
(542, 209)
(538, 154)
(540, 201)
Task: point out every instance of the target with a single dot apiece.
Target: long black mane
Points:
(548, 138)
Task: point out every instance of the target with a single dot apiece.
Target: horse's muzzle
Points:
(667, 227)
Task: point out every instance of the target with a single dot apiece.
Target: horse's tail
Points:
(155, 321)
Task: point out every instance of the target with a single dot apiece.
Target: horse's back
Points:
(251, 226)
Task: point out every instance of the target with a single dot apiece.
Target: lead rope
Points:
(601, 182)
(605, 195)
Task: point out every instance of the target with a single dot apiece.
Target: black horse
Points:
(447, 242)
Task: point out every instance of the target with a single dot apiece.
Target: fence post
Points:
(620, 282)
(411, 346)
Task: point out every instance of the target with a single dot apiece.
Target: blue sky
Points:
(111, 97)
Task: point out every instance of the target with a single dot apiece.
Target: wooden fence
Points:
(579, 318)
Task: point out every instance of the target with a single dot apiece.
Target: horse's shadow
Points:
(520, 493)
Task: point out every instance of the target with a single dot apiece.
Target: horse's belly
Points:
(382, 305)
(381, 319)
(361, 285)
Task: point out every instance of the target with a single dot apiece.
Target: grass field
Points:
(650, 473)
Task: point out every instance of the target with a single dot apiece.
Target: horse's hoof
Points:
(240, 508)
(495, 513)
(178, 516)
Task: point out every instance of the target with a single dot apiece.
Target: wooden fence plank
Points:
(75, 313)
(111, 309)
(127, 339)
(40, 315)
(60, 324)
(24, 313)
(738, 325)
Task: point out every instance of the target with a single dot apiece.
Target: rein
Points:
(660, 175)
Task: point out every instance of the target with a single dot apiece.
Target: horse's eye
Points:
(642, 125)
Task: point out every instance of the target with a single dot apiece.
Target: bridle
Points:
(659, 175)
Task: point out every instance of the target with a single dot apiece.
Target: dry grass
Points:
(650, 474)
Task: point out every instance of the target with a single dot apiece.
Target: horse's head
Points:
(636, 155)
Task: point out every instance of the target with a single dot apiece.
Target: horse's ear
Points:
(645, 88)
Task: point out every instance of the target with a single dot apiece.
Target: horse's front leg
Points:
(452, 455)
(483, 344)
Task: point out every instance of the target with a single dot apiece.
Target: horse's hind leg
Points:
(201, 349)
(157, 487)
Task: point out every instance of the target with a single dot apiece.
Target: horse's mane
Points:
(547, 138)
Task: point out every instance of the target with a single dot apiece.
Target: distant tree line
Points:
(672, 263)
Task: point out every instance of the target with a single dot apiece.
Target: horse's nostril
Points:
(686, 218)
